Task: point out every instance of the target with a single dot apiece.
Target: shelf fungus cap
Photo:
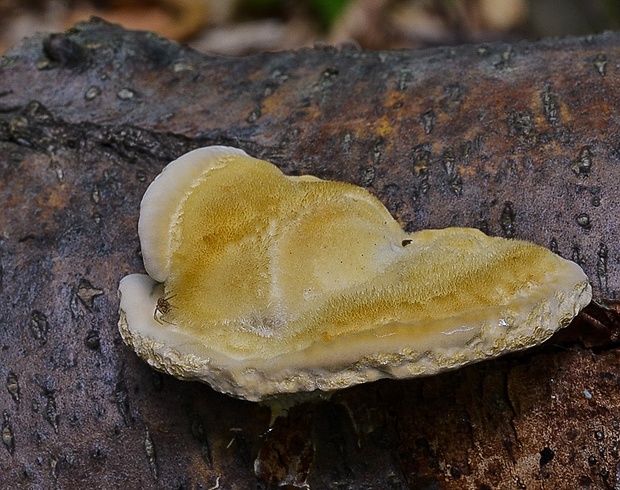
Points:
(263, 284)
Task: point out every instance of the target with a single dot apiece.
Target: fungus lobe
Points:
(262, 284)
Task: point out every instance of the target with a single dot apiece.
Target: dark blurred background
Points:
(238, 27)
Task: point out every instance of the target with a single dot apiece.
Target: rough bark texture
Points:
(519, 140)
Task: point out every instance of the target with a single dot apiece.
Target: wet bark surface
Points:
(518, 140)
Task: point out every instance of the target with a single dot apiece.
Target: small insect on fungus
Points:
(287, 284)
(162, 308)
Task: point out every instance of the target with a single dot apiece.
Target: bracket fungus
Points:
(263, 284)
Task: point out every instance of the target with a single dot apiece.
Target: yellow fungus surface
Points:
(261, 283)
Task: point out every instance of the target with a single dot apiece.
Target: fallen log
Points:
(518, 140)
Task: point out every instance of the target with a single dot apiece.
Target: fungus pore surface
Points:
(260, 283)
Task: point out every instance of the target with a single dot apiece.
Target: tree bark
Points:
(518, 140)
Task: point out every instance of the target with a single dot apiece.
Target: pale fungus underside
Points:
(263, 284)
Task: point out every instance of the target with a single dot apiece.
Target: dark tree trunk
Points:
(519, 140)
